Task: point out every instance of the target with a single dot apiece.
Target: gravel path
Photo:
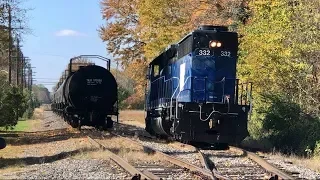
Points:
(72, 169)
(49, 121)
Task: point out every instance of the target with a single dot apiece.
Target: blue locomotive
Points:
(192, 92)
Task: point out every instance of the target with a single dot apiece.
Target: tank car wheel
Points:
(109, 123)
(99, 128)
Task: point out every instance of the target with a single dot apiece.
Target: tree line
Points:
(16, 97)
(279, 51)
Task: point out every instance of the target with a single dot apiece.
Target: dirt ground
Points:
(49, 148)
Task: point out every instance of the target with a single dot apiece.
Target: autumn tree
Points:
(122, 36)
(137, 31)
(279, 53)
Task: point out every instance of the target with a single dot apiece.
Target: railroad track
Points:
(293, 174)
(121, 162)
(204, 170)
(147, 171)
(254, 167)
(237, 163)
(272, 170)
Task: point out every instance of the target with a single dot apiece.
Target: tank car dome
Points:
(215, 28)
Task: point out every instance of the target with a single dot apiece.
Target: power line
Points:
(48, 78)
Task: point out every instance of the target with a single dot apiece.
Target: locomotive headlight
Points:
(219, 44)
(213, 44)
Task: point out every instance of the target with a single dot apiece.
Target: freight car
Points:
(87, 96)
(192, 92)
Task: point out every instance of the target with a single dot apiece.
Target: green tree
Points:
(12, 105)
(284, 71)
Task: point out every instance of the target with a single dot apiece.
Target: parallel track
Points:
(157, 172)
(272, 171)
(121, 162)
(181, 163)
(277, 173)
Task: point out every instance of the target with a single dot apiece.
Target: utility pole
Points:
(10, 41)
(22, 71)
(26, 71)
(18, 61)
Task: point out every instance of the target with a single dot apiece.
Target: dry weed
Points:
(38, 114)
(11, 151)
(311, 163)
(181, 146)
(133, 117)
(130, 152)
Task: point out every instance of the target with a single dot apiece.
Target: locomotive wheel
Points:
(74, 124)
(79, 125)
(148, 127)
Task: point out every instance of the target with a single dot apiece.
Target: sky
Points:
(61, 29)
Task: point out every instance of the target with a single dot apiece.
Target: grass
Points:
(22, 125)
(27, 124)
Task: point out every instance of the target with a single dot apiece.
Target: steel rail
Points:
(124, 164)
(205, 163)
(263, 163)
(177, 161)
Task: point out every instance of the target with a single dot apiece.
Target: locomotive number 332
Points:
(226, 53)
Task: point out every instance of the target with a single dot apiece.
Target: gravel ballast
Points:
(49, 153)
(72, 169)
(299, 171)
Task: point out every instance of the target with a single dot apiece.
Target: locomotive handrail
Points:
(222, 81)
(177, 102)
(171, 99)
(173, 96)
(90, 56)
(179, 95)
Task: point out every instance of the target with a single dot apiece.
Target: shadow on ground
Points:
(28, 138)
(5, 162)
